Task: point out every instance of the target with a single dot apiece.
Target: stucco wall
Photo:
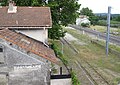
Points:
(61, 82)
(83, 20)
(40, 35)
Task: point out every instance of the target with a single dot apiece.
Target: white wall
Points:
(40, 35)
(61, 82)
(82, 20)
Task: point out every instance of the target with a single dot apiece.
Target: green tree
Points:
(102, 17)
(94, 19)
(56, 32)
(35, 3)
(23, 2)
(88, 12)
(18, 2)
(117, 18)
(64, 12)
(4, 2)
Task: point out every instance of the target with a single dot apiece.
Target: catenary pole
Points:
(108, 30)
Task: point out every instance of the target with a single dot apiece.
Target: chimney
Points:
(11, 5)
(0, 5)
(12, 8)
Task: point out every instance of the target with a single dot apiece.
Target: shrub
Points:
(75, 81)
(85, 24)
(58, 53)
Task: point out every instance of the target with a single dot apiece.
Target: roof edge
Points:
(24, 27)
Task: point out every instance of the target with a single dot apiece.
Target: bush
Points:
(113, 23)
(75, 81)
(59, 54)
(102, 22)
(85, 24)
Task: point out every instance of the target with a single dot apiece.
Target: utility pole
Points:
(108, 30)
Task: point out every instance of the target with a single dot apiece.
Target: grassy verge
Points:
(87, 39)
(111, 46)
(104, 28)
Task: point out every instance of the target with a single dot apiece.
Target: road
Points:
(113, 39)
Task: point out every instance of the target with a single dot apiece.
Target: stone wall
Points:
(35, 75)
(15, 57)
(25, 68)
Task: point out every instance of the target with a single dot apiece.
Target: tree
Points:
(3, 2)
(88, 12)
(56, 32)
(18, 2)
(102, 17)
(63, 12)
(117, 18)
(85, 24)
(35, 3)
(94, 19)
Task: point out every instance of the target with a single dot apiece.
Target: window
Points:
(1, 55)
(1, 49)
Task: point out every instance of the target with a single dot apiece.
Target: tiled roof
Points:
(26, 17)
(28, 44)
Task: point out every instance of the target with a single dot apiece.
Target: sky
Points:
(101, 6)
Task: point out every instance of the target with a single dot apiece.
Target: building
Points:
(24, 60)
(82, 19)
(31, 21)
(25, 57)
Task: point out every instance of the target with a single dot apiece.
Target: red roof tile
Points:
(28, 44)
(26, 17)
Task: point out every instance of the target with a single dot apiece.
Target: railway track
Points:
(113, 39)
(64, 41)
(89, 71)
(96, 77)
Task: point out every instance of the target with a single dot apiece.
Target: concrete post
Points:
(108, 30)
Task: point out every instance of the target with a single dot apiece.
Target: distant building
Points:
(25, 61)
(31, 21)
(82, 19)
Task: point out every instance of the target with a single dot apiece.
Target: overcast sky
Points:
(101, 6)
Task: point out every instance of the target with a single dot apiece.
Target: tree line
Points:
(100, 18)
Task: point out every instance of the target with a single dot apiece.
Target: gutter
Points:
(24, 27)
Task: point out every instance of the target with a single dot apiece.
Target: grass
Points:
(104, 28)
(111, 46)
(78, 35)
(93, 54)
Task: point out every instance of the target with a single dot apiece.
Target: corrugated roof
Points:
(28, 44)
(26, 17)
